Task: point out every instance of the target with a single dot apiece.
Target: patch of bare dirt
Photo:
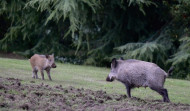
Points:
(14, 95)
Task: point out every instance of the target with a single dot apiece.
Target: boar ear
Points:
(121, 58)
(52, 54)
(114, 62)
(47, 56)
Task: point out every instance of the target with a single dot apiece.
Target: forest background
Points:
(92, 32)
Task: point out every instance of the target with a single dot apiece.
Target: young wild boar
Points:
(41, 63)
(135, 73)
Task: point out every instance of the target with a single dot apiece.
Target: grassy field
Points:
(89, 77)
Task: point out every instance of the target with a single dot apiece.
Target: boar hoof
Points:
(166, 100)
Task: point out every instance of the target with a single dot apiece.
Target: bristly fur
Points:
(135, 73)
(41, 63)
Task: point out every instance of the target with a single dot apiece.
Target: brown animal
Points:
(135, 73)
(41, 63)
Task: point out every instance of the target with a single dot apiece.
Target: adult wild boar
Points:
(136, 73)
(41, 63)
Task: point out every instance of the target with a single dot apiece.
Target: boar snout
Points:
(53, 65)
(108, 79)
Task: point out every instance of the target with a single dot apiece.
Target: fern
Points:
(61, 10)
(181, 59)
(183, 54)
(141, 4)
(70, 9)
(151, 51)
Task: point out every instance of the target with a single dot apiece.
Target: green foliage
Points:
(141, 4)
(181, 11)
(181, 59)
(151, 51)
(24, 26)
(117, 29)
(61, 9)
(183, 53)
(35, 24)
(97, 30)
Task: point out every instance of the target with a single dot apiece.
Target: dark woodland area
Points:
(92, 32)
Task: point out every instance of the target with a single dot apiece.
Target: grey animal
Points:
(41, 63)
(136, 73)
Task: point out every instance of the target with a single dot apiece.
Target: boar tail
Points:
(170, 70)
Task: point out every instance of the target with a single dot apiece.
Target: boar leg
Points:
(48, 73)
(166, 98)
(128, 90)
(42, 74)
(34, 74)
(163, 92)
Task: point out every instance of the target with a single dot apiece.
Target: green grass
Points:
(90, 77)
